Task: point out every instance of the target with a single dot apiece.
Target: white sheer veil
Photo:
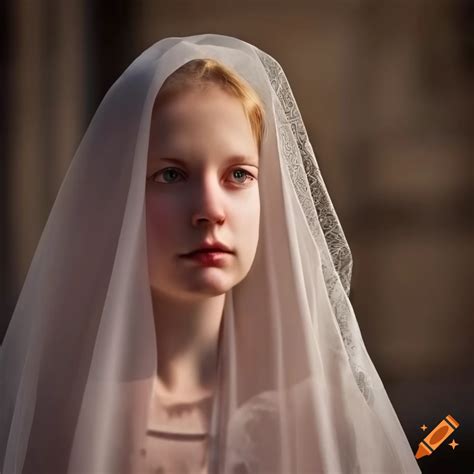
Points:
(297, 391)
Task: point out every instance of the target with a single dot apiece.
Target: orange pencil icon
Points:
(436, 437)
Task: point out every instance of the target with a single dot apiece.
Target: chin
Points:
(214, 285)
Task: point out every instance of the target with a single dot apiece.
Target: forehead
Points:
(201, 122)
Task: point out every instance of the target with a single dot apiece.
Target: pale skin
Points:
(212, 193)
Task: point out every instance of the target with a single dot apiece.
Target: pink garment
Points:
(176, 438)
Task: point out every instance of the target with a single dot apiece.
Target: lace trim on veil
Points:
(321, 216)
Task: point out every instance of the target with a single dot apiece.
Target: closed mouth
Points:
(205, 251)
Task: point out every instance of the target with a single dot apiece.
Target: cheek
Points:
(248, 217)
(161, 220)
(252, 209)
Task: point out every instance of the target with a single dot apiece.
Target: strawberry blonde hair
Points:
(199, 73)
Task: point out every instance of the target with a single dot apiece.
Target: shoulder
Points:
(254, 429)
(250, 430)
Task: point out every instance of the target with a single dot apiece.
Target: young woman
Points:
(187, 308)
(203, 214)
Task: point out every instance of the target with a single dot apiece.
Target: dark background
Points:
(386, 93)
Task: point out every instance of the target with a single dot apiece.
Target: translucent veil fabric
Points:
(297, 391)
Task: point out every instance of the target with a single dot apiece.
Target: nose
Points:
(209, 205)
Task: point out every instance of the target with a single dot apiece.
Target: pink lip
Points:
(208, 259)
(211, 246)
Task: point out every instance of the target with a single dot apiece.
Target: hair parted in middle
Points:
(202, 73)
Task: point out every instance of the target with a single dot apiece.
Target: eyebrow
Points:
(231, 160)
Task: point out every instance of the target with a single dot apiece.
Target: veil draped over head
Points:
(296, 390)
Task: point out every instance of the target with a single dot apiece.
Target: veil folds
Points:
(297, 391)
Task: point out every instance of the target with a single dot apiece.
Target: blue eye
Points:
(246, 174)
(172, 173)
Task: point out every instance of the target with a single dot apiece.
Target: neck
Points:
(187, 336)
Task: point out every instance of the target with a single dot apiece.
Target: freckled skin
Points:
(205, 197)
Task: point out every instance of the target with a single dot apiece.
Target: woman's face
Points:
(201, 185)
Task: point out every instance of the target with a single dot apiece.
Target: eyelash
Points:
(249, 175)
